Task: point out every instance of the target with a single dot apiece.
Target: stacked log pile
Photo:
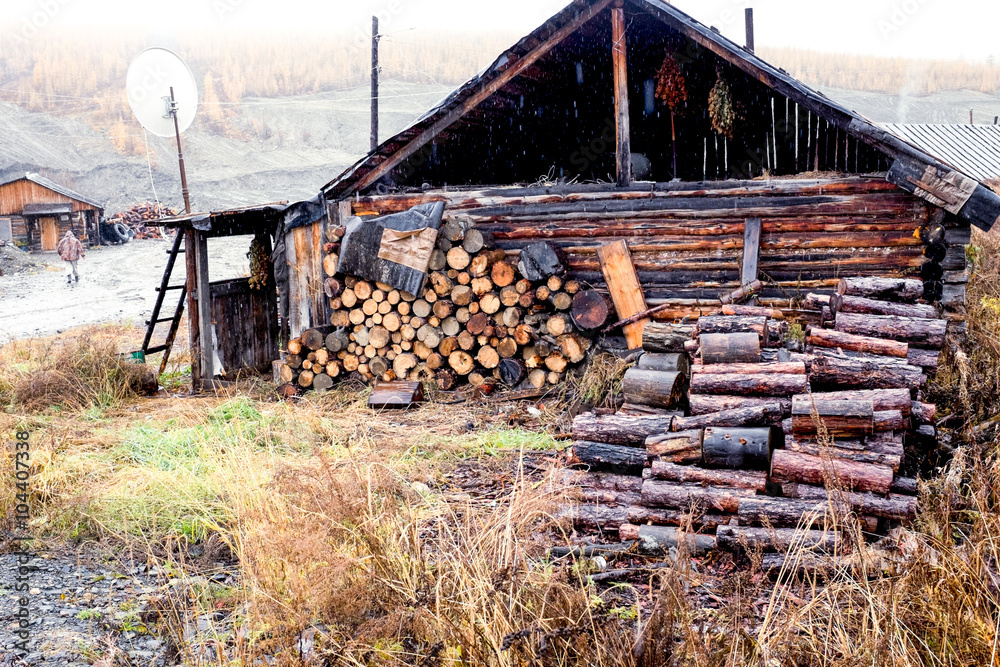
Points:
(140, 216)
(486, 318)
(768, 430)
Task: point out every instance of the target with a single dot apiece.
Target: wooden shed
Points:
(629, 120)
(36, 212)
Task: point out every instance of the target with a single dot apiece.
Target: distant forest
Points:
(67, 75)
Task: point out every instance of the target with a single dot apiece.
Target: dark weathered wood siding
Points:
(246, 325)
(686, 239)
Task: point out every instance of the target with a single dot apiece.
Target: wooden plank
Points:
(751, 253)
(623, 151)
(626, 292)
(395, 395)
(204, 305)
(484, 92)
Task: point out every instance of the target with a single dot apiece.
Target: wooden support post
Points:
(619, 56)
(194, 329)
(204, 307)
(375, 38)
(749, 20)
(751, 252)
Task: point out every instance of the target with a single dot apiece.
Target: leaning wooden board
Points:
(626, 292)
(396, 394)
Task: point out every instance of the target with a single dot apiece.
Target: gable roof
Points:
(972, 149)
(55, 187)
(916, 170)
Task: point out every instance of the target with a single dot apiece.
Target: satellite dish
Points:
(151, 78)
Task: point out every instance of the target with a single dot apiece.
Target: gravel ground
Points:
(117, 284)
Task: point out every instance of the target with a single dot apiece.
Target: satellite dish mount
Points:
(172, 113)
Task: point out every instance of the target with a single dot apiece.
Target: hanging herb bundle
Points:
(720, 107)
(671, 87)
(260, 264)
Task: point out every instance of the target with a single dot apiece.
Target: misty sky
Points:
(913, 28)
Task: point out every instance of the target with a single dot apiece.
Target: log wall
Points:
(686, 239)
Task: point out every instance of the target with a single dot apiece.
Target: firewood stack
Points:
(768, 428)
(486, 318)
(137, 217)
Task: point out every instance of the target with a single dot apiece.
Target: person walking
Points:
(71, 250)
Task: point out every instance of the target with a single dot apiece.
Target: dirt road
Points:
(117, 284)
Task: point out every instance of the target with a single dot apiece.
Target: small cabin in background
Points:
(36, 212)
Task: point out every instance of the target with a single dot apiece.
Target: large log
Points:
(891, 460)
(787, 512)
(665, 337)
(741, 538)
(657, 388)
(788, 466)
(785, 368)
(921, 333)
(730, 348)
(597, 480)
(665, 361)
(882, 399)
(640, 514)
(729, 324)
(701, 404)
(846, 341)
(603, 456)
(619, 430)
(728, 447)
(903, 290)
(859, 304)
(864, 373)
(589, 310)
(540, 260)
(659, 540)
(841, 418)
(742, 479)
(926, 359)
(775, 384)
(896, 507)
(657, 493)
(677, 447)
(755, 415)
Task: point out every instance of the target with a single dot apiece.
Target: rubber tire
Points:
(122, 231)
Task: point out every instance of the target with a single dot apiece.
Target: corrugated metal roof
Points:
(971, 149)
(55, 187)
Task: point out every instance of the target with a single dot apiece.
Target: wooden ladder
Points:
(174, 320)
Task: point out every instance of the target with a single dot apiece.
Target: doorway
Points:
(6, 233)
(50, 233)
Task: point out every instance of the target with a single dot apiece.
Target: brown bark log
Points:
(599, 455)
(840, 418)
(679, 447)
(741, 479)
(753, 311)
(789, 512)
(657, 493)
(618, 430)
(778, 367)
(864, 373)
(730, 348)
(821, 450)
(860, 304)
(729, 324)
(305, 379)
(743, 293)
(657, 388)
(664, 361)
(775, 384)
(882, 399)
(814, 301)
(741, 538)
(589, 310)
(903, 290)
(660, 540)
(767, 414)
(561, 301)
(312, 339)
(918, 333)
(664, 337)
(787, 466)
(734, 447)
(923, 413)
(477, 324)
(503, 274)
(895, 507)
(700, 404)
(905, 485)
(846, 341)
(926, 359)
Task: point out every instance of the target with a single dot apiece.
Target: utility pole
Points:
(375, 38)
(749, 21)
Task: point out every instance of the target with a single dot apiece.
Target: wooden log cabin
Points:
(629, 120)
(36, 212)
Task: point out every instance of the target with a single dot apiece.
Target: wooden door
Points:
(50, 233)
(246, 325)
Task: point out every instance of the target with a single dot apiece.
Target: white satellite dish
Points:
(160, 85)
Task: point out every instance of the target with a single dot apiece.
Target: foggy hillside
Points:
(252, 143)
